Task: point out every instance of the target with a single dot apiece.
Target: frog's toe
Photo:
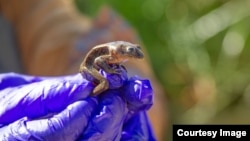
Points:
(103, 86)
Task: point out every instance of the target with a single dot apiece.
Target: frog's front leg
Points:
(102, 62)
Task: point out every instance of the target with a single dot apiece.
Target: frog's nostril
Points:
(140, 55)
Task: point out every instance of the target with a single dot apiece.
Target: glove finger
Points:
(108, 121)
(67, 125)
(138, 94)
(116, 80)
(137, 128)
(14, 79)
(139, 97)
(40, 98)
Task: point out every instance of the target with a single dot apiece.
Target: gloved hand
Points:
(60, 108)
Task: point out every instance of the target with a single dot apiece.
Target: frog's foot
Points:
(101, 87)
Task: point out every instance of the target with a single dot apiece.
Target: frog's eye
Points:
(130, 49)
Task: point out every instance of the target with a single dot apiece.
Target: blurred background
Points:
(199, 50)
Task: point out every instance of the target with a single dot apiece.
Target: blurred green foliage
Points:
(199, 51)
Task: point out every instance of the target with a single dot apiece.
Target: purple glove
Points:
(60, 108)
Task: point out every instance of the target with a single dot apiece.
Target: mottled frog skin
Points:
(103, 57)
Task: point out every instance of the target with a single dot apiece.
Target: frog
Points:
(104, 56)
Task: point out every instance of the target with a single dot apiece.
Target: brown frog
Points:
(103, 57)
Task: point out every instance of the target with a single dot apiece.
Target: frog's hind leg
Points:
(102, 85)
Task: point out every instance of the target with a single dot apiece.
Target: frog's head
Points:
(127, 50)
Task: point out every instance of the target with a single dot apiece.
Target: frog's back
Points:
(93, 54)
